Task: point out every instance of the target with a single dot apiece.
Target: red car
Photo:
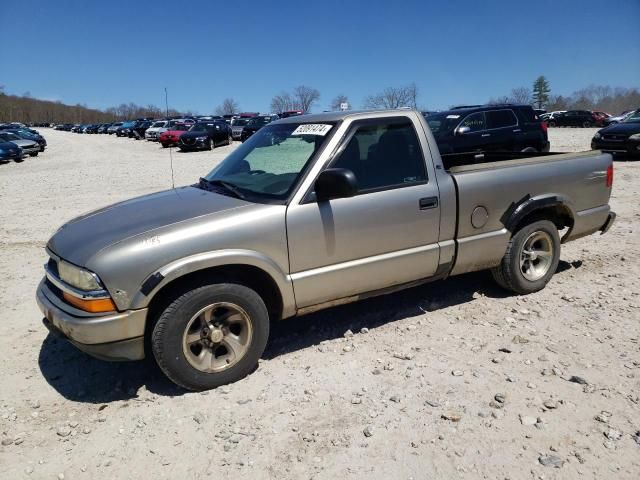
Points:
(170, 137)
(600, 117)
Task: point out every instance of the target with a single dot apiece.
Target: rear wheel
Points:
(229, 139)
(210, 145)
(587, 124)
(531, 258)
(211, 336)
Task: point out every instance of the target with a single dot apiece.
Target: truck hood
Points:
(84, 236)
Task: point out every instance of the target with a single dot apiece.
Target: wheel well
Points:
(559, 214)
(247, 275)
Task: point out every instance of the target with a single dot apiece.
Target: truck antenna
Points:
(166, 105)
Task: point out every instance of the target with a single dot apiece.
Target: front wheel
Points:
(211, 336)
(229, 139)
(531, 258)
(34, 154)
(552, 124)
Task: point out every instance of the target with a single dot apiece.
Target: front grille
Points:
(188, 141)
(615, 138)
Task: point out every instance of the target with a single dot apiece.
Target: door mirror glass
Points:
(335, 183)
(462, 130)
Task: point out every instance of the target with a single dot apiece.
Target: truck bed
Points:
(488, 192)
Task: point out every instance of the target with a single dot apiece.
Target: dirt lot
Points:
(455, 379)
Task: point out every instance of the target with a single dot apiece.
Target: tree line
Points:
(600, 98)
(27, 109)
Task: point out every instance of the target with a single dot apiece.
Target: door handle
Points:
(428, 202)
(486, 134)
(517, 131)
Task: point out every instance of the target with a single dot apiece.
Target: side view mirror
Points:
(335, 183)
(462, 130)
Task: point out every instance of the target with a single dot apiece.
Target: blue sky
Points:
(103, 53)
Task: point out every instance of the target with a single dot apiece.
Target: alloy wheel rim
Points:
(536, 256)
(217, 337)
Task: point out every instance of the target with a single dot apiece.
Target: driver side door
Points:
(385, 235)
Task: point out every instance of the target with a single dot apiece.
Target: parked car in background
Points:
(29, 147)
(153, 132)
(618, 118)
(254, 124)
(620, 138)
(114, 127)
(92, 128)
(237, 125)
(27, 134)
(170, 137)
(10, 151)
(486, 128)
(103, 128)
(205, 136)
(77, 128)
(139, 128)
(123, 130)
(575, 118)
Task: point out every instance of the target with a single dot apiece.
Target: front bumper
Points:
(626, 147)
(114, 336)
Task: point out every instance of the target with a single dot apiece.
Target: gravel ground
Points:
(456, 379)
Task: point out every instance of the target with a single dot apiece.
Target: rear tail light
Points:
(610, 176)
(544, 126)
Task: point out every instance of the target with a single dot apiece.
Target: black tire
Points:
(19, 160)
(509, 274)
(587, 124)
(167, 335)
(552, 123)
(34, 154)
(210, 145)
(229, 139)
(529, 150)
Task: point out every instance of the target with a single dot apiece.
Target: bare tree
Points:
(304, 97)
(522, 95)
(338, 101)
(394, 97)
(229, 107)
(281, 103)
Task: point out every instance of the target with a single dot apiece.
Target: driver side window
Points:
(383, 156)
(475, 122)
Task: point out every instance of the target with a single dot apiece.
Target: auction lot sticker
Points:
(312, 129)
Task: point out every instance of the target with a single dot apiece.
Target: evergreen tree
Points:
(541, 91)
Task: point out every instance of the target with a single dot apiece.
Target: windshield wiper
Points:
(229, 187)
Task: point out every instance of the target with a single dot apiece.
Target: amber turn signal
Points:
(93, 305)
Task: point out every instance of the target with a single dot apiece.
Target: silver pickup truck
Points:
(312, 211)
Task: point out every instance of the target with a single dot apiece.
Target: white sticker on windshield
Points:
(453, 116)
(312, 129)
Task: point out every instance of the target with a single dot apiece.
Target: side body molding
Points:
(201, 261)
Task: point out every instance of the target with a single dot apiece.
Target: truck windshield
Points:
(272, 160)
(239, 122)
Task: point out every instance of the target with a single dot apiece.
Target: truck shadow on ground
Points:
(81, 378)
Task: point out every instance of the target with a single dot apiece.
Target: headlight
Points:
(78, 277)
(635, 136)
(597, 136)
(201, 139)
